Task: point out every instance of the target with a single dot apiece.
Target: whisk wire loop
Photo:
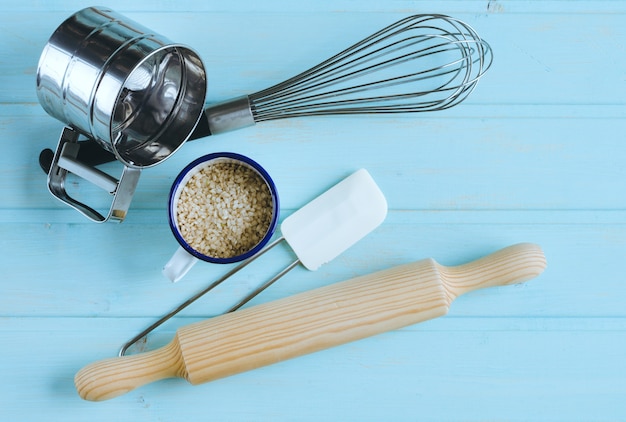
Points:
(420, 63)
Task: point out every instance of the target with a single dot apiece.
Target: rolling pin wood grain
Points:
(309, 321)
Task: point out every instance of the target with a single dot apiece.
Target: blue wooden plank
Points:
(243, 53)
(281, 6)
(420, 163)
(511, 369)
(115, 270)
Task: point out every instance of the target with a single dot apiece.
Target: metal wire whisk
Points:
(420, 63)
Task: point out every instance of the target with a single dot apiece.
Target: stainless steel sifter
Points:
(134, 92)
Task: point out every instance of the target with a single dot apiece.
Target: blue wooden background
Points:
(536, 154)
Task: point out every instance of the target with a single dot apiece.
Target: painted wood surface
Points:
(534, 155)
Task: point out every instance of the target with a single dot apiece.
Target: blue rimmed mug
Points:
(187, 255)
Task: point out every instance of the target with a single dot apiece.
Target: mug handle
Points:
(179, 264)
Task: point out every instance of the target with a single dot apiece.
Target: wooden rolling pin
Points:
(308, 322)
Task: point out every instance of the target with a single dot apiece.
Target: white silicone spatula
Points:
(317, 233)
(331, 223)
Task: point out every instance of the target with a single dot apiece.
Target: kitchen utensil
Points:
(317, 233)
(133, 92)
(308, 322)
(421, 63)
(187, 255)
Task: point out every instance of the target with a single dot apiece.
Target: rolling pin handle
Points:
(113, 377)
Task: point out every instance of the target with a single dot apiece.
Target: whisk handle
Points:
(229, 115)
(202, 129)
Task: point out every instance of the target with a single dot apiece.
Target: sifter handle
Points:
(310, 321)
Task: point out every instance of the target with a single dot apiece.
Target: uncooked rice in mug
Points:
(224, 210)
